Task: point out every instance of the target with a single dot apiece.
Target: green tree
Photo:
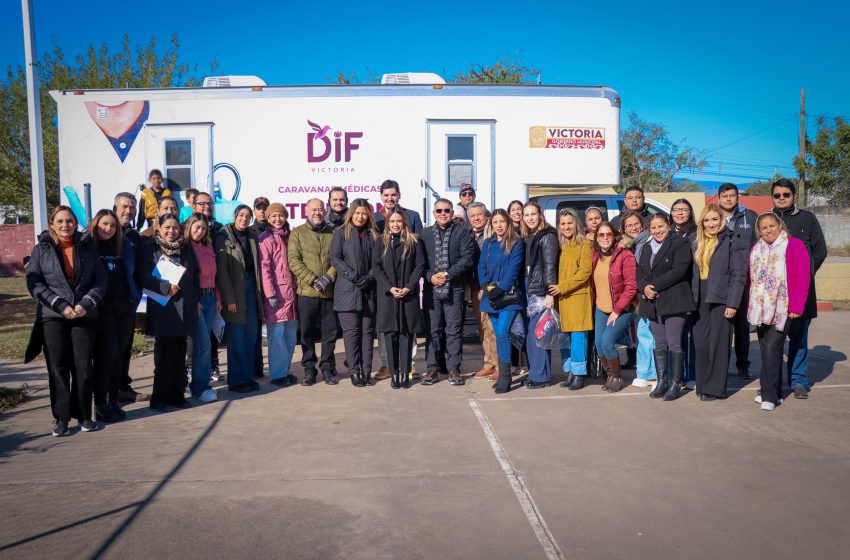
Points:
(130, 67)
(762, 188)
(827, 163)
(504, 71)
(650, 160)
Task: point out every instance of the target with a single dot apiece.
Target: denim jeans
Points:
(798, 353)
(605, 336)
(645, 361)
(201, 348)
(281, 340)
(502, 322)
(574, 358)
(539, 359)
(241, 340)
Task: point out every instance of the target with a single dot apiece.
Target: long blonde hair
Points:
(510, 235)
(707, 243)
(408, 238)
(527, 231)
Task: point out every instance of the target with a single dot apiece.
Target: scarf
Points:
(769, 289)
(170, 248)
(281, 232)
(441, 250)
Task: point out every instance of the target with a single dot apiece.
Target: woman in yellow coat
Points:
(575, 301)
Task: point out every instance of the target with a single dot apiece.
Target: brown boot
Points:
(616, 382)
(607, 367)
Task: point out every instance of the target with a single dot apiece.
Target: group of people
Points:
(673, 289)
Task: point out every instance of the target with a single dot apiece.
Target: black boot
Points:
(677, 362)
(405, 380)
(631, 358)
(661, 384)
(568, 381)
(503, 385)
(395, 383)
(577, 383)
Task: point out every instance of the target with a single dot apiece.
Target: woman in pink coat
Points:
(779, 286)
(279, 306)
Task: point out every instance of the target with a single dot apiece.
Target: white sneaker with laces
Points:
(640, 383)
(768, 406)
(208, 396)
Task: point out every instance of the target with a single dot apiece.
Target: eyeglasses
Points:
(443, 210)
(778, 195)
(679, 211)
(203, 204)
(604, 235)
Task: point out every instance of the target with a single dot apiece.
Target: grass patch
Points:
(12, 397)
(140, 344)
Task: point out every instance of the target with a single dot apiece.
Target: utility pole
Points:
(801, 180)
(39, 196)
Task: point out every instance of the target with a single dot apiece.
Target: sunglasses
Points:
(604, 235)
(443, 210)
(467, 193)
(779, 195)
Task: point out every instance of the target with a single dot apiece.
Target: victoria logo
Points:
(320, 147)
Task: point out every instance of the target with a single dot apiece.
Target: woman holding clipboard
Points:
(175, 318)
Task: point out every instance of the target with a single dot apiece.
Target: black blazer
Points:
(461, 255)
(727, 271)
(670, 273)
(541, 261)
(391, 271)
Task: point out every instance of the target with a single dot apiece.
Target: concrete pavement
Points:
(439, 472)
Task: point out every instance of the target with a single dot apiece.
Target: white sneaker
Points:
(640, 383)
(208, 396)
(758, 398)
(768, 406)
(216, 376)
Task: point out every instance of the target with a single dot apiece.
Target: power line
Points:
(794, 116)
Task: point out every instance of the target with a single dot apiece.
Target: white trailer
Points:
(293, 143)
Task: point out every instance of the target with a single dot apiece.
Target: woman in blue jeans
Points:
(500, 273)
(615, 287)
(197, 231)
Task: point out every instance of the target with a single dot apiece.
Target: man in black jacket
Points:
(804, 226)
(634, 200)
(743, 222)
(337, 206)
(390, 197)
(451, 252)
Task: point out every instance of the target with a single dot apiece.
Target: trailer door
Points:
(461, 151)
(184, 154)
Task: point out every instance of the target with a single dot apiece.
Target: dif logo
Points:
(320, 147)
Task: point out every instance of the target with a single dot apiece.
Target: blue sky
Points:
(712, 73)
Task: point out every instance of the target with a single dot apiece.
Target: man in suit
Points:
(451, 254)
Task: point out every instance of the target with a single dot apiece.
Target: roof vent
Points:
(233, 81)
(423, 78)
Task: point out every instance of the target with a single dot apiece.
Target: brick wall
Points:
(16, 242)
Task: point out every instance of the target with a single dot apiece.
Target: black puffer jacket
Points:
(727, 271)
(47, 283)
(541, 261)
(352, 259)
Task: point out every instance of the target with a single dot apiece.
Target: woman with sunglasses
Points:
(593, 217)
(574, 296)
(354, 291)
(719, 280)
(636, 236)
(614, 287)
(664, 280)
(683, 223)
(198, 232)
(541, 273)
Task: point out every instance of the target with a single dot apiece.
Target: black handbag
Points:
(508, 298)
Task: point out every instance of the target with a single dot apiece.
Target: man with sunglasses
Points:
(451, 252)
(743, 222)
(804, 226)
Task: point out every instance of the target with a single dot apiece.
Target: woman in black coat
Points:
(721, 264)
(398, 263)
(354, 289)
(173, 322)
(542, 253)
(664, 273)
(65, 277)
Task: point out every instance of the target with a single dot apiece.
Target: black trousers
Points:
(742, 333)
(317, 323)
(258, 350)
(358, 335)
(169, 375)
(445, 331)
(712, 343)
(667, 331)
(68, 347)
(398, 351)
(771, 343)
(114, 329)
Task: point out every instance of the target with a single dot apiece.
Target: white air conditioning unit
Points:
(421, 78)
(233, 81)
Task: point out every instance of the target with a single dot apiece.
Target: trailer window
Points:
(179, 164)
(460, 161)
